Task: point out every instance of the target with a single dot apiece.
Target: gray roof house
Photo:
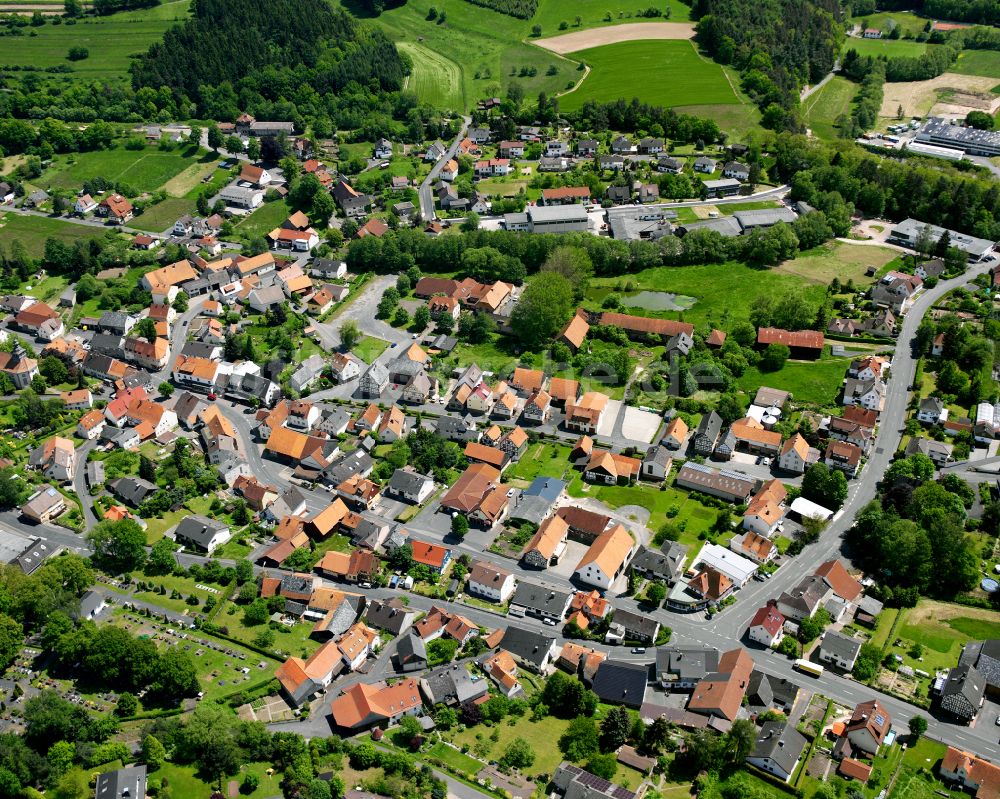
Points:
(839, 650)
(621, 682)
(409, 485)
(985, 656)
(201, 532)
(411, 653)
(777, 749)
(666, 563)
(390, 615)
(452, 685)
(530, 599)
(455, 429)
(131, 490)
(575, 783)
(307, 373)
(374, 381)
(123, 783)
(532, 650)
(680, 668)
(963, 693)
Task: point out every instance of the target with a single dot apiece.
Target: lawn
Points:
(723, 291)
(810, 382)
(292, 640)
(978, 62)
(687, 513)
(435, 79)
(682, 76)
(144, 170)
(156, 528)
(890, 48)
(541, 735)
(592, 12)
(163, 215)
(470, 42)
(942, 629)
(184, 782)
(541, 459)
(32, 231)
(462, 763)
(837, 260)
(263, 220)
(822, 108)
(908, 21)
(111, 40)
(369, 348)
(488, 355)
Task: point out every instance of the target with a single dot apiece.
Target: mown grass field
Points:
(906, 20)
(471, 40)
(265, 219)
(33, 230)
(435, 79)
(112, 41)
(822, 108)
(678, 75)
(145, 170)
(978, 62)
(890, 48)
(837, 260)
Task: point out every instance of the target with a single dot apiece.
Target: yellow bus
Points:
(809, 667)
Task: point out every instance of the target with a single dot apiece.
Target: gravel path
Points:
(612, 34)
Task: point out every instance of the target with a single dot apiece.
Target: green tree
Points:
(918, 726)
(603, 765)
(574, 264)
(774, 358)
(459, 525)
(74, 784)
(166, 389)
(546, 304)
(615, 729)
(145, 328)
(127, 704)
(421, 318)
(656, 593)
(580, 740)
(518, 754)
(350, 335)
(60, 758)
(119, 546)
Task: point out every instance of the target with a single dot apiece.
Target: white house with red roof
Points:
(766, 626)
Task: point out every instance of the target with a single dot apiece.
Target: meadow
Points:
(837, 260)
(809, 382)
(32, 231)
(112, 41)
(145, 170)
(890, 48)
(470, 41)
(676, 75)
(906, 20)
(821, 109)
(978, 62)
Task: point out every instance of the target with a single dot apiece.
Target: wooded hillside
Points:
(242, 42)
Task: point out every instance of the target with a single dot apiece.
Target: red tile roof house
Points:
(766, 625)
(433, 556)
(868, 727)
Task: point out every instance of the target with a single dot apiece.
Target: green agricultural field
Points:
(33, 230)
(162, 215)
(978, 62)
(679, 75)
(592, 14)
(435, 79)
(144, 170)
(890, 48)
(112, 41)
(822, 108)
(472, 40)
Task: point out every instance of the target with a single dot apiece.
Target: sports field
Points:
(978, 62)
(435, 79)
(822, 108)
(674, 74)
(145, 171)
(887, 47)
(111, 41)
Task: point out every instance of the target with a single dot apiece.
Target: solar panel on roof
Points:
(879, 719)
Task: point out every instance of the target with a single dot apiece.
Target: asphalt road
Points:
(426, 195)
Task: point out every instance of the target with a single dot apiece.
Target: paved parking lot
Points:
(640, 425)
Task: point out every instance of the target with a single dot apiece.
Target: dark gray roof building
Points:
(963, 692)
(533, 650)
(452, 685)
(128, 782)
(621, 683)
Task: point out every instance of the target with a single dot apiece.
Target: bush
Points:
(78, 53)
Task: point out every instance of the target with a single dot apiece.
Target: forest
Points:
(237, 42)
(631, 116)
(778, 45)
(984, 12)
(522, 9)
